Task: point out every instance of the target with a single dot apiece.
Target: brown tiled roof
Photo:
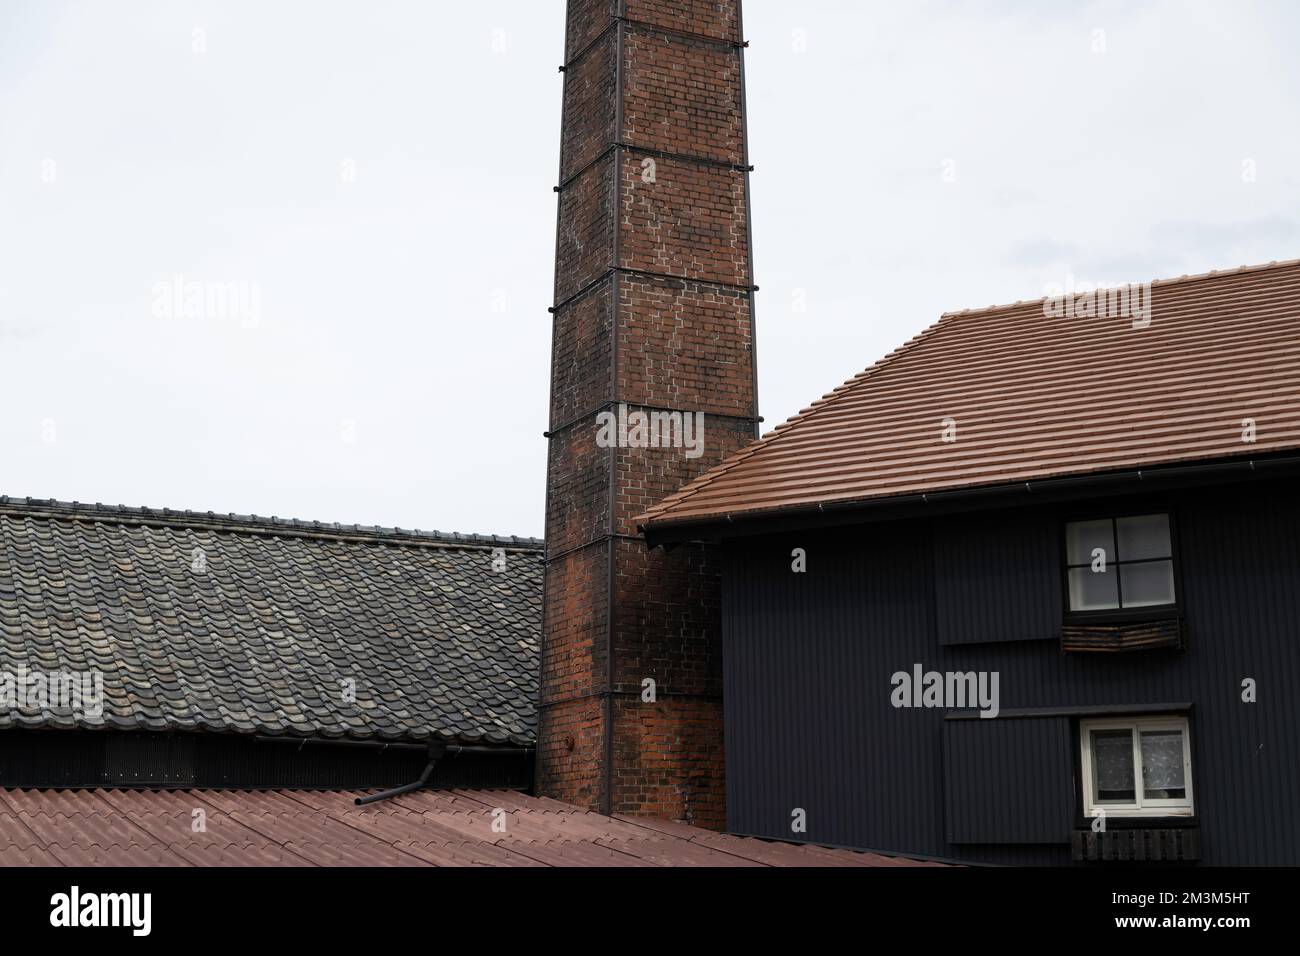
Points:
(1034, 397)
(425, 828)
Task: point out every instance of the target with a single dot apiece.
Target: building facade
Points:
(1026, 590)
(815, 721)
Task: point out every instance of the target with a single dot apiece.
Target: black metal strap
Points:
(657, 28)
(609, 402)
(624, 270)
(650, 151)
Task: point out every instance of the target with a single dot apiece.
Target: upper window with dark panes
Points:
(1114, 563)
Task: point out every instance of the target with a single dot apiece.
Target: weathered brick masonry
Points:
(653, 308)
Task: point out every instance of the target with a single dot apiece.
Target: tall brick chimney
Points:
(653, 312)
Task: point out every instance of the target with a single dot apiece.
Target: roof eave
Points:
(666, 532)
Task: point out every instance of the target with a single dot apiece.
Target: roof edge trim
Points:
(737, 524)
(54, 509)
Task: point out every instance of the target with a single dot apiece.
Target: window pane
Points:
(1112, 766)
(1162, 765)
(1145, 585)
(1081, 537)
(1146, 536)
(1092, 591)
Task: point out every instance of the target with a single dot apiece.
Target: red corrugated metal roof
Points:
(1032, 397)
(425, 828)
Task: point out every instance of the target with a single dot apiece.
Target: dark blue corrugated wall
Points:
(808, 659)
(1007, 781)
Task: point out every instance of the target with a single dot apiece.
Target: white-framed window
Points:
(1136, 767)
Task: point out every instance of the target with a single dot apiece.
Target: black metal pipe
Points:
(438, 750)
(382, 745)
(404, 788)
(489, 749)
(300, 742)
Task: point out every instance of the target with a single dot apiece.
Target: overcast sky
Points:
(370, 182)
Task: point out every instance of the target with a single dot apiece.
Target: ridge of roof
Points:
(257, 524)
(1155, 283)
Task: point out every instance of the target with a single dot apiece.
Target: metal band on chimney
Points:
(666, 276)
(620, 19)
(695, 158)
(611, 402)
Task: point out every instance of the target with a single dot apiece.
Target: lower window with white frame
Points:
(1136, 767)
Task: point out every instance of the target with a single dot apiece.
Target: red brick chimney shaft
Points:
(653, 311)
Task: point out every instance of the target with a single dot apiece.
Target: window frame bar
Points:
(1120, 614)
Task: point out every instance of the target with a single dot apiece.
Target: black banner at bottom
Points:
(379, 907)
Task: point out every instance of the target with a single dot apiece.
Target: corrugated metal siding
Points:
(96, 758)
(30, 758)
(808, 659)
(1241, 588)
(230, 761)
(137, 760)
(808, 724)
(997, 579)
(1008, 781)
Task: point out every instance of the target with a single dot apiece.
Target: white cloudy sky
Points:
(398, 370)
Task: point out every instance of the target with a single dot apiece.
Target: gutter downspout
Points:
(436, 750)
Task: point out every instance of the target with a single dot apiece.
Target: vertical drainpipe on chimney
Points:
(607, 787)
(741, 43)
(550, 426)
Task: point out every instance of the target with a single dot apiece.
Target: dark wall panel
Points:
(144, 759)
(1008, 780)
(997, 578)
(1241, 589)
(808, 719)
(105, 758)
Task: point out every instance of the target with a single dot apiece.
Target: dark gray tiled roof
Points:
(264, 639)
